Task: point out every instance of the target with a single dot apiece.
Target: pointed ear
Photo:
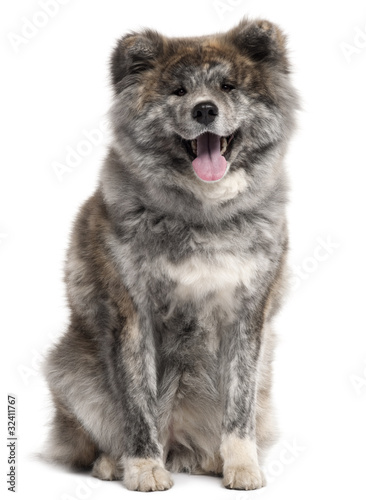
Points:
(134, 53)
(260, 40)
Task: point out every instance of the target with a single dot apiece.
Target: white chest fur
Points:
(199, 276)
(212, 279)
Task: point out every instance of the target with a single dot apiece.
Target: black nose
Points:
(205, 112)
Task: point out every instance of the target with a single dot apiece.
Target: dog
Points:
(177, 265)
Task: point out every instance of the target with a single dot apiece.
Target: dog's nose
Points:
(205, 112)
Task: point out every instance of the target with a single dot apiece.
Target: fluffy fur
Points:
(172, 281)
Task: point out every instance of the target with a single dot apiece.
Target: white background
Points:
(54, 90)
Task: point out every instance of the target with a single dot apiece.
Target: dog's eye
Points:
(180, 92)
(226, 87)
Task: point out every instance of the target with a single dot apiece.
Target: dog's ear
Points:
(260, 40)
(133, 54)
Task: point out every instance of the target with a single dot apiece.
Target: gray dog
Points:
(177, 265)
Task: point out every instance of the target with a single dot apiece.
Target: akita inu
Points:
(177, 265)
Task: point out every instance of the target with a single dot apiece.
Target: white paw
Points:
(243, 478)
(241, 469)
(146, 475)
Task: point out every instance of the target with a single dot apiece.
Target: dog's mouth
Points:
(209, 153)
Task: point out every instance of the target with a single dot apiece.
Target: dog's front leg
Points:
(238, 445)
(142, 455)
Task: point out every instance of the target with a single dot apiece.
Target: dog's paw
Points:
(107, 469)
(146, 475)
(243, 478)
(241, 469)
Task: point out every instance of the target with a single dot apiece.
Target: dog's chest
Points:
(218, 274)
(210, 274)
(176, 269)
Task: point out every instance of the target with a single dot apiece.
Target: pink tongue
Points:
(209, 164)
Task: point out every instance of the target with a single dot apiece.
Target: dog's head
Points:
(212, 105)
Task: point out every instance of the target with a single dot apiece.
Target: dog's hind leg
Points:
(69, 444)
(107, 469)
